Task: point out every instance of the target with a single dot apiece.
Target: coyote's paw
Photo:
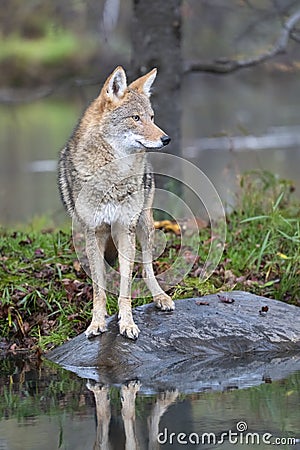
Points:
(164, 302)
(95, 329)
(129, 329)
(96, 387)
(168, 397)
(128, 396)
(131, 387)
(101, 395)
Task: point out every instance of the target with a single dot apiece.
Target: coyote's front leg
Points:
(145, 231)
(95, 247)
(128, 396)
(126, 250)
(164, 400)
(101, 394)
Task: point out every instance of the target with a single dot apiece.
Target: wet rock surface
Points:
(214, 342)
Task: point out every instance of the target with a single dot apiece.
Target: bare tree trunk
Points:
(156, 42)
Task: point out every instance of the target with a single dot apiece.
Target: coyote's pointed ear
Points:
(115, 85)
(144, 84)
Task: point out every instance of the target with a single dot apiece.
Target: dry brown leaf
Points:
(225, 299)
(167, 225)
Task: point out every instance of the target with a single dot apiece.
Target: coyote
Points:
(106, 182)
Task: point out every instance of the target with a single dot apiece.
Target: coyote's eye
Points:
(136, 117)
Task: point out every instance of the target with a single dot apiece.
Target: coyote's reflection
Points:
(128, 396)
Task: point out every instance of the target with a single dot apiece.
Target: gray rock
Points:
(195, 347)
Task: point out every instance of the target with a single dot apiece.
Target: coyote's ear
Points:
(115, 86)
(144, 84)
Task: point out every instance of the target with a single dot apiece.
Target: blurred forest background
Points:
(227, 91)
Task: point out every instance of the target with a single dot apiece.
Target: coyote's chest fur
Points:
(104, 193)
(108, 199)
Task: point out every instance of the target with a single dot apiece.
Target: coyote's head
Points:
(126, 116)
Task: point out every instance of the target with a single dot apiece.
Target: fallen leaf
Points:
(46, 272)
(13, 348)
(240, 279)
(26, 241)
(39, 253)
(77, 266)
(26, 327)
(190, 257)
(200, 303)
(264, 310)
(225, 298)
(282, 255)
(197, 272)
(229, 275)
(167, 225)
(267, 379)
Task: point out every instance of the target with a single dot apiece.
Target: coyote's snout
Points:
(106, 182)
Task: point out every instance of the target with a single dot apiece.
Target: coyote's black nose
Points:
(165, 140)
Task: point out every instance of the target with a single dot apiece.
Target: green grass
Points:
(264, 237)
(46, 298)
(52, 57)
(49, 49)
(35, 268)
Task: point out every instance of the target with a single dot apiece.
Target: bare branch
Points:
(12, 96)
(264, 15)
(295, 36)
(225, 65)
(23, 95)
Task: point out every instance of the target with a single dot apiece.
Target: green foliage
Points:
(35, 270)
(53, 55)
(264, 237)
(48, 49)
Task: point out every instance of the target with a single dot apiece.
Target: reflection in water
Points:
(128, 414)
(45, 407)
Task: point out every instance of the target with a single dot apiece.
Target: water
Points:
(44, 407)
(252, 121)
(32, 132)
(230, 124)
